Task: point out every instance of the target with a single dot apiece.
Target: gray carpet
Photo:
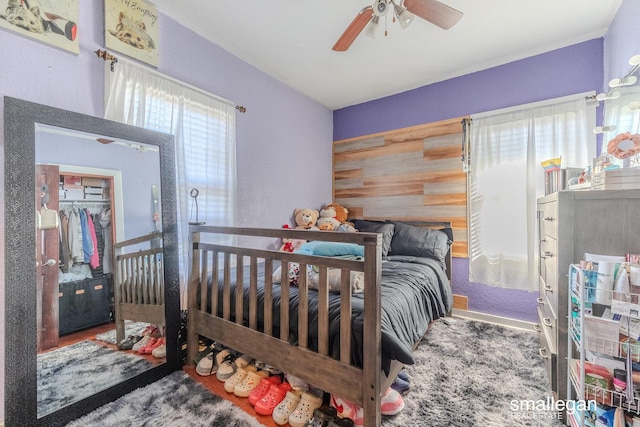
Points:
(174, 401)
(130, 328)
(76, 371)
(466, 374)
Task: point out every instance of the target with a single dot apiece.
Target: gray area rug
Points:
(466, 374)
(130, 328)
(174, 401)
(76, 371)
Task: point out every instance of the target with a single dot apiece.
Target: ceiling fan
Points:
(404, 11)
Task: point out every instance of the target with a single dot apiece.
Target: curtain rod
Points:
(106, 56)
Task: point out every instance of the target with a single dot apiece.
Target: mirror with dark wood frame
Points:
(25, 122)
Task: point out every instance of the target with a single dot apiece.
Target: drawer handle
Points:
(540, 301)
(543, 353)
(537, 328)
(547, 322)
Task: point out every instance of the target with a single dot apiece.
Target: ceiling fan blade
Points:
(435, 12)
(354, 29)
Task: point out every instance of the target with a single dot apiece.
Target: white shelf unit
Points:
(580, 342)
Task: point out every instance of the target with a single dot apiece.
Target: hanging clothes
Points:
(87, 243)
(105, 222)
(94, 259)
(65, 254)
(98, 271)
(75, 236)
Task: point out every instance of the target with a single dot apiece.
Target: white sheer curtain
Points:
(204, 130)
(506, 179)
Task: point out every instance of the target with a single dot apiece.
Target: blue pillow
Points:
(320, 248)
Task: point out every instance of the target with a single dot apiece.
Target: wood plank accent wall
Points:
(413, 173)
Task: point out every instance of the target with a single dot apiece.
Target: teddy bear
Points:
(339, 212)
(306, 218)
(333, 217)
(327, 222)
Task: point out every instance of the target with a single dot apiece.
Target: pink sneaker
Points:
(391, 402)
(348, 409)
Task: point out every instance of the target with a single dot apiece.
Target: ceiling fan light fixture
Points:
(372, 27)
(405, 18)
(380, 8)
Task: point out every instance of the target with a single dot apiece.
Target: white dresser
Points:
(571, 223)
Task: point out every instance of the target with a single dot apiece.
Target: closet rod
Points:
(87, 202)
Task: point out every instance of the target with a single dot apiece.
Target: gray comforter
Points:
(415, 291)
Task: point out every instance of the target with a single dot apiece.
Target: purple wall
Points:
(280, 135)
(283, 132)
(566, 71)
(621, 41)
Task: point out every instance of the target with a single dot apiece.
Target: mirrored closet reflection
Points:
(91, 193)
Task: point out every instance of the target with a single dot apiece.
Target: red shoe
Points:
(262, 389)
(143, 350)
(270, 400)
(152, 346)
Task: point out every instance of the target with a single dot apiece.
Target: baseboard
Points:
(460, 302)
(497, 320)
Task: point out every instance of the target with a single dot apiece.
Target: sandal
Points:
(262, 389)
(274, 396)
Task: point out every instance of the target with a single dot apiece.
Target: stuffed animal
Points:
(333, 217)
(306, 218)
(290, 245)
(340, 212)
(327, 223)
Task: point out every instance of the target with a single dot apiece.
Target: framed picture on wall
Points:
(131, 27)
(53, 22)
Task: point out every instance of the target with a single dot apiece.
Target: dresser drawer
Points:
(545, 351)
(548, 219)
(548, 325)
(549, 272)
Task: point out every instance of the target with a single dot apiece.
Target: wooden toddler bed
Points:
(138, 282)
(326, 331)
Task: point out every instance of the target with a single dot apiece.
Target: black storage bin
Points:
(84, 303)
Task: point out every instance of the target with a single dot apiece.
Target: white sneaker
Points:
(142, 343)
(229, 364)
(160, 352)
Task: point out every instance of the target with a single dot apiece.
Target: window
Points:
(506, 178)
(204, 130)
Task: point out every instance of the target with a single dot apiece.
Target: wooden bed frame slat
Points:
(365, 385)
(138, 282)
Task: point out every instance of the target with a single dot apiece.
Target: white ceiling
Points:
(291, 40)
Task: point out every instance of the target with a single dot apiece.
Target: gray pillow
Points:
(420, 242)
(384, 228)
